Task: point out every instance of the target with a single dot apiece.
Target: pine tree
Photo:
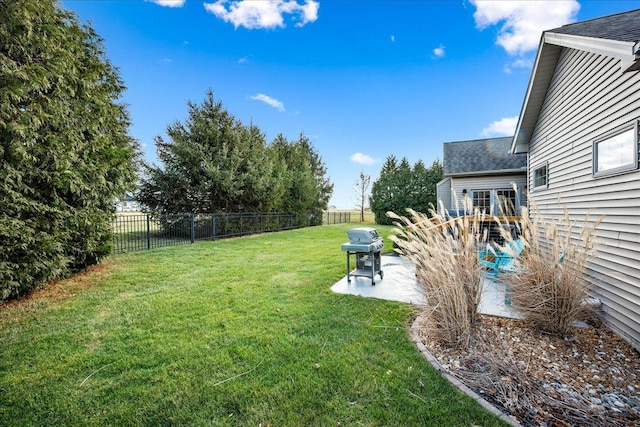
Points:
(212, 163)
(65, 151)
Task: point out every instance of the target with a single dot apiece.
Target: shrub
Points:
(445, 252)
(549, 289)
(65, 151)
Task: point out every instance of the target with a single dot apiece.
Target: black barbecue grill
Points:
(365, 244)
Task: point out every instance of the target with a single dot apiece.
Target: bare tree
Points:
(361, 189)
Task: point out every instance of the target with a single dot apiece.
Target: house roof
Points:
(481, 157)
(616, 35)
(621, 27)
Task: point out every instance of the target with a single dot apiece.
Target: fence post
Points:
(148, 232)
(213, 226)
(193, 227)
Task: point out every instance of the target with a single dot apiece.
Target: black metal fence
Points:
(336, 217)
(145, 231)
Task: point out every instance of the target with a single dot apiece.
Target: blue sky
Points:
(362, 79)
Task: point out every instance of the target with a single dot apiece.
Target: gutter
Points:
(488, 172)
(635, 65)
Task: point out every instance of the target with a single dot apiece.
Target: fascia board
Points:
(614, 48)
(488, 172)
(520, 142)
(627, 52)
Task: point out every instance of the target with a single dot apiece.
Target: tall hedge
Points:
(213, 163)
(401, 186)
(65, 151)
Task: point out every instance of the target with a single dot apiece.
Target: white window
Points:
(482, 200)
(541, 176)
(506, 201)
(617, 151)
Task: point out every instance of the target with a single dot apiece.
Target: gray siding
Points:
(443, 191)
(492, 182)
(588, 97)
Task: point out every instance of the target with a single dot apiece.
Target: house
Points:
(579, 127)
(485, 171)
(127, 204)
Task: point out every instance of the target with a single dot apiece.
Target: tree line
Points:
(213, 163)
(66, 154)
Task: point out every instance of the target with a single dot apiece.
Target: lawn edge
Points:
(415, 336)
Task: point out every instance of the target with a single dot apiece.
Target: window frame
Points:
(544, 165)
(629, 167)
(488, 208)
(500, 199)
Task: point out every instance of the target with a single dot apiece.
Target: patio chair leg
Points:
(507, 295)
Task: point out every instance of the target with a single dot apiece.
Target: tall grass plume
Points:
(549, 288)
(445, 253)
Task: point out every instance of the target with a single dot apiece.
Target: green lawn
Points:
(239, 332)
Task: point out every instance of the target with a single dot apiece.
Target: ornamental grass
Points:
(549, 288)
(445, 253)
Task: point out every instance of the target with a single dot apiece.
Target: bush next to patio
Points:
(65, 152)
(549, 288)
(445, 253)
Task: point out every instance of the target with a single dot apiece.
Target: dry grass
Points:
(549, 289)
(445, 252)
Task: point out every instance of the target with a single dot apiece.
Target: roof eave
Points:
(614, 48)
(547, 55)
(546, 60)
(522, 170)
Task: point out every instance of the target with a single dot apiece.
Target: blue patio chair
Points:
(497, 262)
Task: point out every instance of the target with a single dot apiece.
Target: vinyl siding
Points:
(494, 182)
(443, 191)
(588, 97)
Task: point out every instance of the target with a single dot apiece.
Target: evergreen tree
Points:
(65, 151)
(425, 182)
(384, 190)
(212, 163)
(401, 186)
(305, 186)
(323, 187)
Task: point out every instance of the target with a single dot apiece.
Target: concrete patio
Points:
(400, 284)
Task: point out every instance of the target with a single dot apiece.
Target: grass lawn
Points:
(242, 332)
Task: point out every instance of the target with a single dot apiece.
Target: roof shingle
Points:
(624, 27)
(481, 155)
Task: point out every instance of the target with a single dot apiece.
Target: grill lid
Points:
(363, 247)
(362, 235)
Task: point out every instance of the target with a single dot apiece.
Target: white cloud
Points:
(502, 127)
(393, 38)
(522, 22)
(269, 101)
(255, 14)
(169, 3)
(518, 63)
(362, 159)
(439, 51)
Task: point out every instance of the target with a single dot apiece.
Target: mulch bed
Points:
(589, 378)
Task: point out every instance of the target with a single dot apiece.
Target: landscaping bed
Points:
(592, 377)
